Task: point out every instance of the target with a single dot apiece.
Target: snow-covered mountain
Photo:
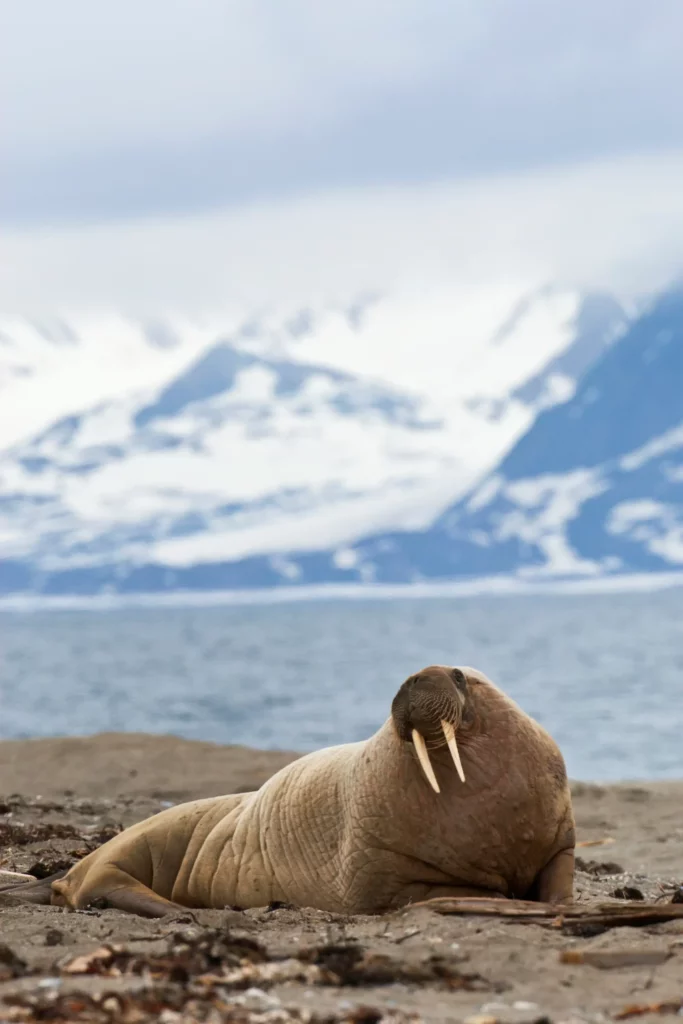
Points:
(594, 488)
(149, 456)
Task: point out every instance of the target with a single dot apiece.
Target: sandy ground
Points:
(60, 798)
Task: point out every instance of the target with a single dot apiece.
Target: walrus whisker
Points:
(423, 755)
(449, 733)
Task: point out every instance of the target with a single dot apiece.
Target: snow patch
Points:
(345, 558)
(656, 526)
(486, 494)
(623, 517)
(544, 508)
(668, 442)
(288, 569)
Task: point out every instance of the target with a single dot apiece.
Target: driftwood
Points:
(582, 915)
(609, 959)
(643, 1009)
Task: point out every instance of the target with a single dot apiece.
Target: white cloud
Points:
(614, 224)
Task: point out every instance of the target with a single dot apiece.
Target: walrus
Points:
(458, 793)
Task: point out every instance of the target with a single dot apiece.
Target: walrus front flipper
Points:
(555, 882)
(118, 890)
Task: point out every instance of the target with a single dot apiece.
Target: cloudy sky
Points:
(254, 133)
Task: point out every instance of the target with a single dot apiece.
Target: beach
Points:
(59, 798)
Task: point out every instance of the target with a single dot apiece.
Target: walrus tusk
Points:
(421, 748)
(449, 733)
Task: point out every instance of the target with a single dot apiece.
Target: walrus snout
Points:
(430, 704)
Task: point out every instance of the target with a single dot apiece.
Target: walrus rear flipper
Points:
(118, 890)
(143, 903)
(39, 891)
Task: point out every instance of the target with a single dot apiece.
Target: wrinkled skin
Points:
(358, 828)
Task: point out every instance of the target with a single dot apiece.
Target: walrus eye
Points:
(423, 754)
(459, 679)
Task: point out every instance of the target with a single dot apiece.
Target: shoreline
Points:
(494, 586)
(147, 749)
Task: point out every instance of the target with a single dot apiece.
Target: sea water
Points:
(603, 673)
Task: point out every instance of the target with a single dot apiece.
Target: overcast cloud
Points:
(113, 110)
(193, 154)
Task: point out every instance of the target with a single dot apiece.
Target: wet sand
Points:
(60, 798)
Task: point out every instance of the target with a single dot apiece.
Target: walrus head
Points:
(429, 707)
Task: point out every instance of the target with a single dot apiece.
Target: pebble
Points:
(519, 1012)
(258, 1000)
(169, 1017)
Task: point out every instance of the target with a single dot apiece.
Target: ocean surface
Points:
(603, 673)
